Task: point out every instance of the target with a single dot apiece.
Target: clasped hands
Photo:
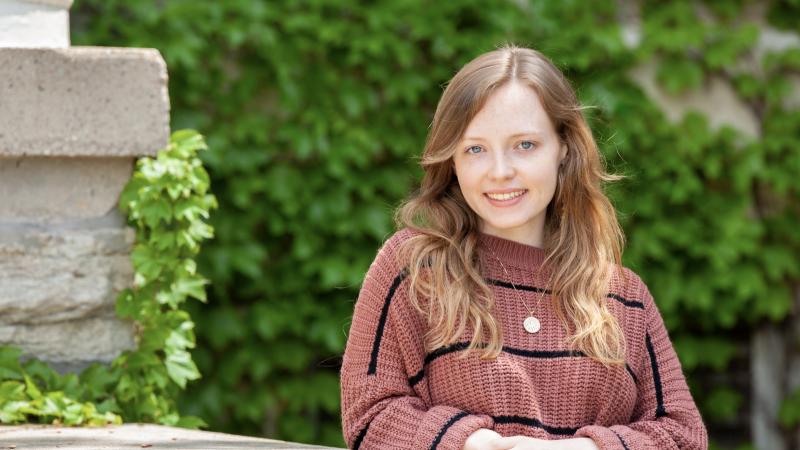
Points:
(486, 439)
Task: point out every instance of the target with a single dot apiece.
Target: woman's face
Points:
(507, 164)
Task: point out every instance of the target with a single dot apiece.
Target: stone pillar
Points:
(34, 23)
(72, 122)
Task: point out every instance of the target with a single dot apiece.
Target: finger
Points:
(504, 443)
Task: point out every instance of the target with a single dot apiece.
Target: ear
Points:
(562, 153)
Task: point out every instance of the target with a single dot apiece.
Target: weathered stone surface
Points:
(57, 273)
(717, 100)
(45, 189)
(83, 101)
(132, 436)
(77, 342)
(768, 365)
(39, 23)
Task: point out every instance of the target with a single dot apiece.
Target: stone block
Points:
(83, 101)
(76, 343)
(41, 189)
(39, 23)
(52, 274)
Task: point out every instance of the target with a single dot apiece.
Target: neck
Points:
(511, 252)
(532, 234)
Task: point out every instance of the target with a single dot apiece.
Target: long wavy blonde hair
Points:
(583, 241)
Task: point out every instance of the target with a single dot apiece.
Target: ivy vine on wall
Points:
(168, 202)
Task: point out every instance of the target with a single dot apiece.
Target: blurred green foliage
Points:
(315, 111)
(31, 391)
(167, 200)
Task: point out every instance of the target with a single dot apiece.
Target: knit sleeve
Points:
(380, 409)
(665, 416)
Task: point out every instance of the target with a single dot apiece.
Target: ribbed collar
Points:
(511, 253)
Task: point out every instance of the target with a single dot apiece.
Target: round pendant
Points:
(532, 324)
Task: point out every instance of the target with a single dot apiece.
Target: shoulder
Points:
(633, 289)
(396, 239)
(389, 256)
(393, 244)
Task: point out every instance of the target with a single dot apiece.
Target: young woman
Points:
(499, 316)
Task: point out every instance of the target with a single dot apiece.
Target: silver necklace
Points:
(531, 323)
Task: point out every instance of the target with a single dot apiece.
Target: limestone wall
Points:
(72, 122)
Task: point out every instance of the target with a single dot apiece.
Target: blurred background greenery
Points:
(314, 112)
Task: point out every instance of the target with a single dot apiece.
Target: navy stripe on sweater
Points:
(624, 445)
(360, 436)
(523, 287)
(459, 346)
(660, 410)
(531, 422)
(376, 345)
(624, 301)
(449, 423)
(633, 375)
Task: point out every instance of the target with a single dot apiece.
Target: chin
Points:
(503, 226)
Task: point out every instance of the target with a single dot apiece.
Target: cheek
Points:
(468, 177)
(548, 184)
(543, 181)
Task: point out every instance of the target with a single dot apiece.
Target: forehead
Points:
(511, 109)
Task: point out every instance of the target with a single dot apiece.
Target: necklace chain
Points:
(531, 323)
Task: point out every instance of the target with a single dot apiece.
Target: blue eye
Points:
(469, 149)
(526, 145)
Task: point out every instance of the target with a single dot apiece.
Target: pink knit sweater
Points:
(396, 396)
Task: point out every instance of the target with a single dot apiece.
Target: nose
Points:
(502, 167)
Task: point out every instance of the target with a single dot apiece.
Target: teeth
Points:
(508, 196)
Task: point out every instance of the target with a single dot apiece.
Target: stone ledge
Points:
(63, 4)
(131, 436)
(83, 101)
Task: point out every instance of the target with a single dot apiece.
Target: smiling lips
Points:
(505, 196)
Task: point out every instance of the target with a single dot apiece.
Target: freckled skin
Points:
(501, 160)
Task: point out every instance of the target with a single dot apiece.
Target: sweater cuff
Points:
(605, 438)
(453, 428)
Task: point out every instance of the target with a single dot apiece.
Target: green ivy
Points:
(167, 201)
(316, 110)
(33, 392)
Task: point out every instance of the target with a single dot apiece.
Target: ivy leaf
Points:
(193, 287)
(679, 75)
(12, 390)
(789, 414)
(181, 368)
(154, 211)
(14, 411)
(191, 422)
(10, 368)
(31, 389)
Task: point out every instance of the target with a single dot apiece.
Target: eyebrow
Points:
(515, 135)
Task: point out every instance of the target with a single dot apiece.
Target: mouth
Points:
(506, 195)
(506, 198)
